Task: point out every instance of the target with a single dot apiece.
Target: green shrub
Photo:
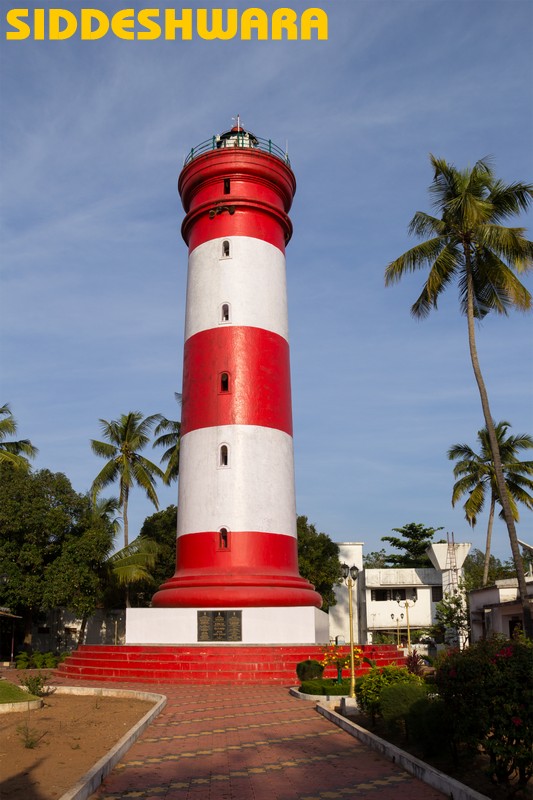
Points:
(326, 686)
(50, 661)
(37, 660)
(35, 684)
(368, 687)
(22, 660)
(488, 695)
(309, 669)
(429, 725)
(397, 701)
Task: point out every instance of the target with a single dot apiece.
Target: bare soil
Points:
(72, 733)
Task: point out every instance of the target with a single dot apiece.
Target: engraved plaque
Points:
(219, 626)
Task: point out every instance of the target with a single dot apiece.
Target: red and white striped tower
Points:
(236, 539)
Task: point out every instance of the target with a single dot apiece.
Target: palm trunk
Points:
(125, 494)
(500, 480)
(486, 565)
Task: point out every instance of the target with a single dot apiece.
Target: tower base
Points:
(268, 625)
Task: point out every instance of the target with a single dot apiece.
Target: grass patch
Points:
(9, 693)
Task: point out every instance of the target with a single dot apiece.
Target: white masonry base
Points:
(274, 625)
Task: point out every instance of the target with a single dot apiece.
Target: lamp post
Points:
(350, 576)
(407, 607)
(397, 618)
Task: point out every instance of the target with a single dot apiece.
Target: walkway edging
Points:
(414, 766)
(92, 779)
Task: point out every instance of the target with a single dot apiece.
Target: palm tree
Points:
(14, 453)
(468, 244)
(126, 437)
(133, 563)
(106, 509)
(168, 433)
(477, 478)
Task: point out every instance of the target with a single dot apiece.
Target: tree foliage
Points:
(415, 540)
(476, 477)
(318, 560)
(474, 565)
(452, 619)
(161, 528)
(487, 696)
(18, 452)
(126, 437)
(469, 245)
(168, 436)
(376, 559)
(52, 548)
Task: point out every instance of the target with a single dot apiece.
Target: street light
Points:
(407, 607)
(397, 618)
(350, 576)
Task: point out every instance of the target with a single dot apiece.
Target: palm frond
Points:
(423, 224)
(134, 562)
(463, 451)
(103, 449)
(510, 200)
(108, 474)
(417, 257)
(18, 452)
(17, 461)
(8, 426)
(474, 504)
(441, 273)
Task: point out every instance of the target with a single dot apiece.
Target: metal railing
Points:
(244, 140)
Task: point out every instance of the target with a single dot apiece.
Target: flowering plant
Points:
(492, 679)
(341, 658)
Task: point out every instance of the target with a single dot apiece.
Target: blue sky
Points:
(94, 268)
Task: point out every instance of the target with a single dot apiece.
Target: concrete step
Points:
(275, 665)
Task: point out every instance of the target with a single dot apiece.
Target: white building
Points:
(497, 608)
(387, 600)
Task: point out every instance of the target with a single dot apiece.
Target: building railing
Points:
(244, 140)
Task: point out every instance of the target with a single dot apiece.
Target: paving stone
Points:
(251, 743)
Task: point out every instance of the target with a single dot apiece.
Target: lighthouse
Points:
(236, 537)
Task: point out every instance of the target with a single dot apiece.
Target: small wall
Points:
(295, 625)
(60, 630)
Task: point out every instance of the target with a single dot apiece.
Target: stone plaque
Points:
(219, 626)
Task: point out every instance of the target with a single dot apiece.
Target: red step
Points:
(200, 664)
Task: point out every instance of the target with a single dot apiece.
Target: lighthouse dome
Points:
(237, 137)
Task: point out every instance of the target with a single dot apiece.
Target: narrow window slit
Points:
(223, 460)
(225, 312)
(223, 539)
(225, 249)
(226, 185)
(224, 382)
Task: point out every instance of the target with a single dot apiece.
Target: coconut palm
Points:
(133, 563)
(126, 437)
(468, 244)
(14, 453)
(106, 509)
(477, 478)
(168, 433)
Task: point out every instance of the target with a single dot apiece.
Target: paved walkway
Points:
(248, 743)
